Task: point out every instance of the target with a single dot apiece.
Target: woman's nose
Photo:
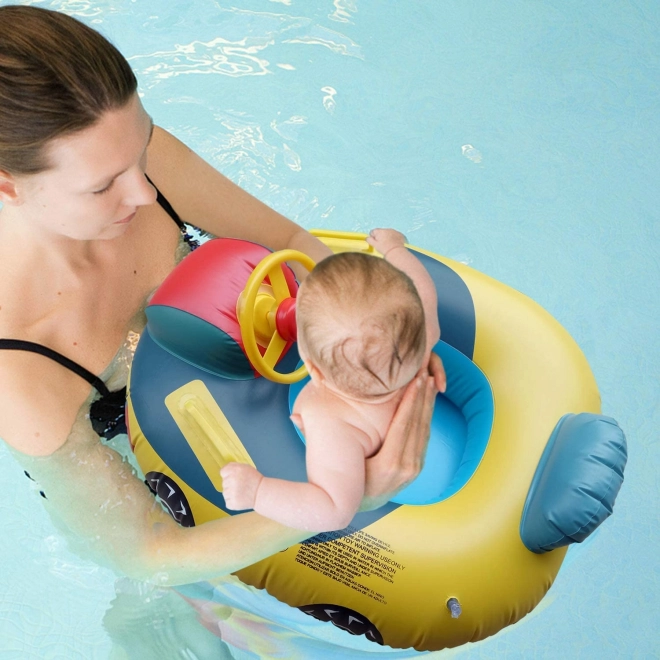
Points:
(140, 192)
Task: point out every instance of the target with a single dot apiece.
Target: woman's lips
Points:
(127, 219)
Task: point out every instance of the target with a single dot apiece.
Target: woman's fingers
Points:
(385, 472)
(414, 414)
(404, 441)
(401, 457)
(420, 422)
(399, 461)
(437, 370)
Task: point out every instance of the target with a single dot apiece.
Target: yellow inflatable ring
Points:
(539, 468)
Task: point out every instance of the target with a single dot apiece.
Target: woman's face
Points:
(96, 181)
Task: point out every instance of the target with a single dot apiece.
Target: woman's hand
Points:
(400, 459)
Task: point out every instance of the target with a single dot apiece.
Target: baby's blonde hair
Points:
(375, 317)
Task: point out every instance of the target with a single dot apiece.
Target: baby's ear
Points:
(314, 372)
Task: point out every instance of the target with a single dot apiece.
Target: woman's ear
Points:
(8, 189)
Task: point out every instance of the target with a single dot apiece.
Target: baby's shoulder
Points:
(320, 409)
(318, 401)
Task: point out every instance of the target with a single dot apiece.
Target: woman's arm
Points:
(97, 498)
(210, 201)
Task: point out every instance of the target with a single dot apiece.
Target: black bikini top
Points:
(107, 413)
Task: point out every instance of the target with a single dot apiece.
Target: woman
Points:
(85, 237)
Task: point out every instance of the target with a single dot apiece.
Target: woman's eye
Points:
(104, 190)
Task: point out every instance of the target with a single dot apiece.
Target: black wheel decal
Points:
(349, 620)
(171, 495)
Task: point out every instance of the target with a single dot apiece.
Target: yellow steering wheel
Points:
(257, 309)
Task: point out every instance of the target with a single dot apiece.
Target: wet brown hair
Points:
(57, 77)
(379, 312)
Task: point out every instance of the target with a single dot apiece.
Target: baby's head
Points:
(361, 324)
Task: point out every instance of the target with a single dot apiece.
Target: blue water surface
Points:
(521, 138)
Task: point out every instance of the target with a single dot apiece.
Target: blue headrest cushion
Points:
(576, 482)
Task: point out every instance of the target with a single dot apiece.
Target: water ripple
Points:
(290, 128)
(471, 153)
(335, 41)
(81, 8)
(343, 11)
(239, 51)
(329, 102)
(233, 59)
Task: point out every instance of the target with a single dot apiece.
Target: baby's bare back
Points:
(372, 419)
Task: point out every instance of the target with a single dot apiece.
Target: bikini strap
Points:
(166, 206)
(21, 345)
(188, 238)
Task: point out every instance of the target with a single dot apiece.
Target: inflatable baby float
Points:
(520, 462)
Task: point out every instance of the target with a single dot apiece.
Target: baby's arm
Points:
(391, 244)
(335, 470)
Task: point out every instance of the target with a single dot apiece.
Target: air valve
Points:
(454, 607)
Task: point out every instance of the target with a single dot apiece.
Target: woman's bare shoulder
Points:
(39, 402)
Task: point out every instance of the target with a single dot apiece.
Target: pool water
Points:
(521, 138)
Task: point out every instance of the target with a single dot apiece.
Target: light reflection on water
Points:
(336, 42)
(344, 9)
(235, 57)
(214, 57)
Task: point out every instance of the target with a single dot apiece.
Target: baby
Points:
(366, 326)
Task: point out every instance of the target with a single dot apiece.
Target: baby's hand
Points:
(385, 240)
(240, 483)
